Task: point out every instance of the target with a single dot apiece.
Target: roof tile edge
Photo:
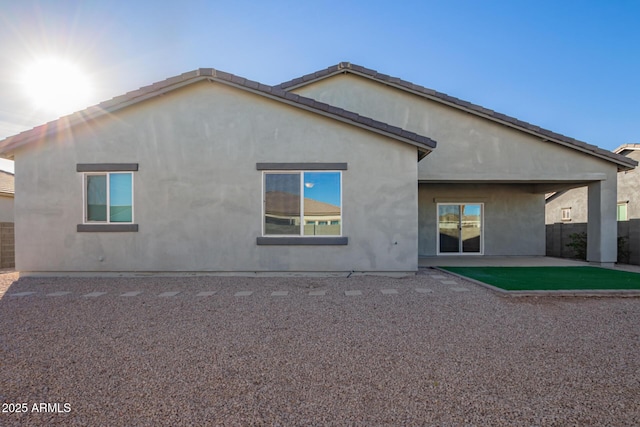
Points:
(458, 103)
(171, 83)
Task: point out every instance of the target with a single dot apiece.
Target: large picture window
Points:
(108, 197)
(303, 203)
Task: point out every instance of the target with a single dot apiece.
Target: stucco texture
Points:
(472, 151)
(504, 206)
(198, 195)
(576, 199)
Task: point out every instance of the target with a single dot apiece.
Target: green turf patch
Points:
(551, 278)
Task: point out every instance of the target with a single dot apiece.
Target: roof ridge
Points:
(454, 102)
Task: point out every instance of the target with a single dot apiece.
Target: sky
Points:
(572, 67)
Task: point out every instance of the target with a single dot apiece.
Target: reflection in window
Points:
(96, 198)
(317, 213)
(282, 203)
(622, 211)
(460, 228)
(109, 197)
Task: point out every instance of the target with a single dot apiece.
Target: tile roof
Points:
(7, 182)
(625, 149)
(423, 143)
(546, 135)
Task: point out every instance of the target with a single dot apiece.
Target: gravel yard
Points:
(437, 351)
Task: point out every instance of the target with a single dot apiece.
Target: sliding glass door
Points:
(460, 228)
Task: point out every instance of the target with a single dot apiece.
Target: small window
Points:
(108, 197)
(302, 203)
(566, 214)
(622, 211)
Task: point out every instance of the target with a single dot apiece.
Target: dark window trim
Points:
(302, 241)
(301, 166)
(95, 228)
(106, 167)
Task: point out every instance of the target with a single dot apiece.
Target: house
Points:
(7, 245)
(334, 171)
(7, 193)
(567, 211)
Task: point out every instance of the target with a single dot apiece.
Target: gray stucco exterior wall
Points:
(477, 153)
(629, 188)
(469, 148)
(198, 193)
(504, 207)
(576, 199)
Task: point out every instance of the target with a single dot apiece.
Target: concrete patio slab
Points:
(94, 294)
(169, 294)
(497, 261)
(279, 293)
(58, 293)
(352, 293)
(205, 293)
(131, 294)
(21, 294)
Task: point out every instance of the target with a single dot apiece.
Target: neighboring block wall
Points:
(7, 245)
(558, 231)
(198, 195)
(558, 235)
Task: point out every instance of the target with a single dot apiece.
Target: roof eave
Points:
(9, 145)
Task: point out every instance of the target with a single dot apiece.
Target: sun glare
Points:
(57, 86)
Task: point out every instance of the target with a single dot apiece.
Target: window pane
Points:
(471, 223)
(449, 228)
(322, 212)
(622, 212)
(96, 197)
(120, 197)
(282, 203)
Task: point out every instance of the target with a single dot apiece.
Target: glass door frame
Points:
(460, 243)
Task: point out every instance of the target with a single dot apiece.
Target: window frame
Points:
(460, 243)
(87, 169)
(301, 239)
(108, 221)
(564, 217)
(302, 215)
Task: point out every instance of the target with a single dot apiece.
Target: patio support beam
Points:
(602, 227)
